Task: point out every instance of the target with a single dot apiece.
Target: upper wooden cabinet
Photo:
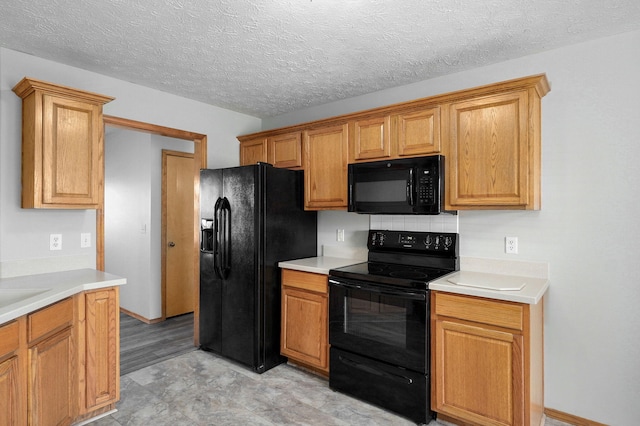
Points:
(62, 145)
(370, 139)
(404, 134)
(493, 148)
(282, 150)
(253, 151)
(417, 132)
(285, 150)
(489, 135)
(325, 168)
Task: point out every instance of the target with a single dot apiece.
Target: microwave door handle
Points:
(410, 189)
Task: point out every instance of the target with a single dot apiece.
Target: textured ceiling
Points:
(268, 57)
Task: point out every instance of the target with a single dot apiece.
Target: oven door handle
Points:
(385, 291)
(371, 370)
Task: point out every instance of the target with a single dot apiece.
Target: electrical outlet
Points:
(55, 242)
(85, 240)
(340, 235)
(511, 245)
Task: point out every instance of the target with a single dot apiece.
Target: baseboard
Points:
(549, 412)
(140, 317)
(570, 418)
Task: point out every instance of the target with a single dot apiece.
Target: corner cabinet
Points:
(493, 148)
(487, 360)
(304, 337)
(325, 168)
(60, 365)
(62, 145)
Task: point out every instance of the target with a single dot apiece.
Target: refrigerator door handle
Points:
(225, 264)
(217, 218)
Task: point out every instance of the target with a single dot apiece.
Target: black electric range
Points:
(378, 320)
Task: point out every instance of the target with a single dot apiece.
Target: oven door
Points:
(382, 323)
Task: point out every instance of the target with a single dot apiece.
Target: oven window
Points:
(376, 317)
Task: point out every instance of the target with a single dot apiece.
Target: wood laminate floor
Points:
(142, 344)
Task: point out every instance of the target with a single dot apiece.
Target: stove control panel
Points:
(442, 242)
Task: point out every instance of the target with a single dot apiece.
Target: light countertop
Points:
(28, 293)
(318, 265)
(511, 288)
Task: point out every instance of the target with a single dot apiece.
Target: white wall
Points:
(127, 216)
(24, 234)
(587, 229)
(133, 215)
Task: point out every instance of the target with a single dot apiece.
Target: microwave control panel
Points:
(426, 186)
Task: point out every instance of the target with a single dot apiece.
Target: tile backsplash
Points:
(419, 223)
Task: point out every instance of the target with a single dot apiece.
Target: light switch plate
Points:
(85, 240)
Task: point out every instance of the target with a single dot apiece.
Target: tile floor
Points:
(199, 388)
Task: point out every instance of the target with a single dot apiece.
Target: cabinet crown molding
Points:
(28, 85)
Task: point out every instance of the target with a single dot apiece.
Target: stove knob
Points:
(448, 241)
(428, 240)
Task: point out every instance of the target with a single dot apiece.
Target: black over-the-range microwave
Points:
(402, 186)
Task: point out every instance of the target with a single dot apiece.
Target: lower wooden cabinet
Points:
(61, 364)
(13, 408)
(487, 361)
(304, 335)
(99, 349)
(51, 387)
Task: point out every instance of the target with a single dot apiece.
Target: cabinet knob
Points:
(172, 244)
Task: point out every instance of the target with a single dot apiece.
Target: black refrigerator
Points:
(251, 217)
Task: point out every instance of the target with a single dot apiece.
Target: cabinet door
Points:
(11, 388)
(305, 327)
(325, 168)
(102, 348)
(285, 151)
(51, 386)
(252, 152)
(10, 406)
(371, 139)
(72, 141)
(479, 374)
(417, 132)
(488, 153)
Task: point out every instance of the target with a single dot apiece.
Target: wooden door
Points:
(325, 168)
(178, 255)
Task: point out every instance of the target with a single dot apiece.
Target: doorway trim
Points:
(199, 162)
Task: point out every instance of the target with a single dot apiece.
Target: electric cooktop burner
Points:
(404, 259)
(390, 274)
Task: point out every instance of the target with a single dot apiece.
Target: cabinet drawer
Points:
(305, 280)
(9, 338)
(491, 312)
(51, 318)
